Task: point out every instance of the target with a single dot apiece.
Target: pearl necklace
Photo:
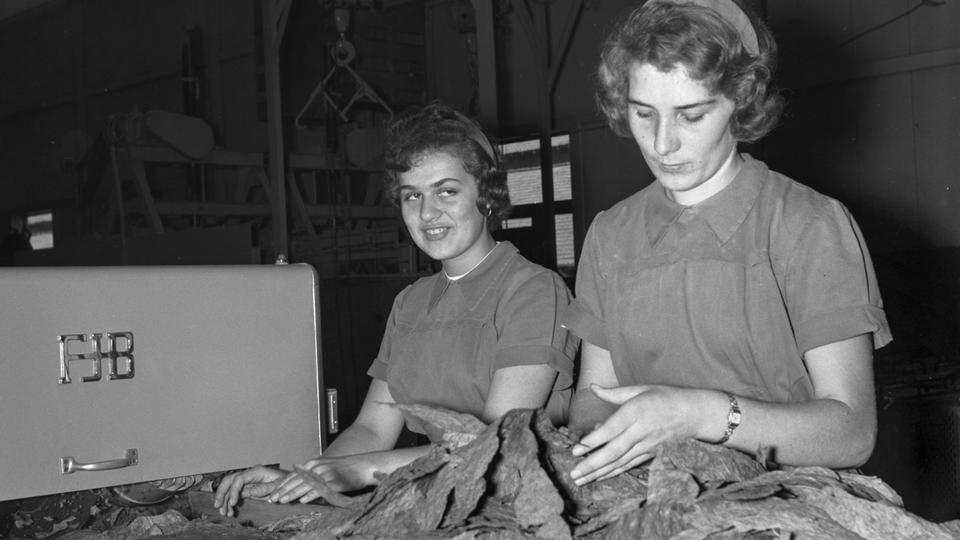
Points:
(474, 267)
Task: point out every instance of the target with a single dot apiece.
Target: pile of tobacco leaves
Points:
(94, 511)
(510, 479)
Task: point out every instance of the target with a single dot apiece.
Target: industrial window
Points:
(40, 225)
(522, 160)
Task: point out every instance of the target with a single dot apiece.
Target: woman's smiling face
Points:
(682, 128)
(438, 201)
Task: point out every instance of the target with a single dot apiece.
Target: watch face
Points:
(734, 418)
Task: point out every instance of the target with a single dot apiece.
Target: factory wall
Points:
(874, 122)
(70, 65)
(74, 70)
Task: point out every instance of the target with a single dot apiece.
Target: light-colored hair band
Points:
(733, 14)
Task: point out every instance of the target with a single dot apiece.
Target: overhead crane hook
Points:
(343, 53)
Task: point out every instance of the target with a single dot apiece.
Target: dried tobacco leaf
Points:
(952, 527)
(595, 498)
(465, 474)
(511, 481)
(624, 525)
(413, 501)
(519, 478)
(670, 491)
(418, 468)
(46, 516)
(711, 464)
(761, 487)
(555, 450)
(403, 514)
(486, 533)
(614, 514)
(327, 522)
(758, 488)
(497, 521)
(442, 426)
(801, 481)
(212, 531)
(514, 447)
(397, 504)
(494, 514)
(869, 519)
(168, 522)
(811, 477)
(870, 487)
(770, 534)
(669, 485)
(665, 519)
(790, 518)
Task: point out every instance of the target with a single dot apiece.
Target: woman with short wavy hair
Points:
(481, 337)
(438, 128)
(725, 302)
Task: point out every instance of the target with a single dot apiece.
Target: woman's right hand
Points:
(255, 482)
(646, 417)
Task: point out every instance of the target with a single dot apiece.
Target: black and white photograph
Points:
(479, 269)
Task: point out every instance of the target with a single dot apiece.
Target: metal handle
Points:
(68, 465)
(333, 423)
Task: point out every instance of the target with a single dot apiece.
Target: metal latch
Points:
(333, 424)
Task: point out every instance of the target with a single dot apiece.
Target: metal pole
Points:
(275, 14)
(487, 66)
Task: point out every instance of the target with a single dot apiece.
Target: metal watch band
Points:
(733, 418)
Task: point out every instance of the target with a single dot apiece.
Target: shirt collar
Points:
(474, 285)
(723, 212)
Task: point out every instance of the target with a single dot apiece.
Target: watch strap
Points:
(733, 418)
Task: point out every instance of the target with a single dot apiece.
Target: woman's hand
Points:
(347, 473)
(256, 482)
(647, 416)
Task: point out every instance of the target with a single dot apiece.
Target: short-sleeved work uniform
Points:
(445, 339)
(728, 293)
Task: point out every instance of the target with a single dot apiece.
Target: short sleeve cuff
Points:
(844, 324)
(378, 370)
(532, 355)
(584, 325)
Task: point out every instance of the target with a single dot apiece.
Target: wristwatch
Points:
(733, 418)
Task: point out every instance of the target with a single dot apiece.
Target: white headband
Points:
(730, 12)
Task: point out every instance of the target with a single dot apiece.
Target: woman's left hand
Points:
(255, 482)
(346, 473)
(646, 417)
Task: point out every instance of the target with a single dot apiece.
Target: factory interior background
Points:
(223, 132)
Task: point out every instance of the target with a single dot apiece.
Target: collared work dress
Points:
(445, 339)
(729, 293)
